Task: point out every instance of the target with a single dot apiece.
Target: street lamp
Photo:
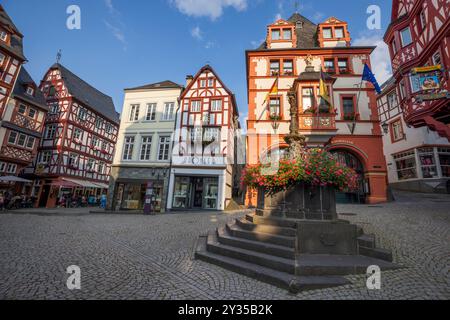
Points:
(385, 127)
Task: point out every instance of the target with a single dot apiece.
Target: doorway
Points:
(197, 193)
(44, 196)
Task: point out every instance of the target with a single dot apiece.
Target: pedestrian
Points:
(2, 202)
(103, 201)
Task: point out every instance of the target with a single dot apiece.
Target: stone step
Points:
(367, 241)
(280, 279)
(264, 260)
(278, 222)
(377, 253)
(267, 248)
(279, 231)
(237, 232)
(314, 265)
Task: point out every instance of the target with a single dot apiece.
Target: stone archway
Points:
(352, 160)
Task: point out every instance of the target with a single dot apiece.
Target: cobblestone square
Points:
(130, 256)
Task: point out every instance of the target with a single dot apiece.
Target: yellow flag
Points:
(273, 90)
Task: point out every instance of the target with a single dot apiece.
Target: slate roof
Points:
(87, 94)
(306, 36)
(159, 85)
(16, 47)
(20, 90)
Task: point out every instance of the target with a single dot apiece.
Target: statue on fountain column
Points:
(295, 140)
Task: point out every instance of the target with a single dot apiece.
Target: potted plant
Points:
(300, 188)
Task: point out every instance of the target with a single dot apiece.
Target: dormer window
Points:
(327, 34)
(30, 91)
(287, 34)
(3, 35)
(339, 32)
(276, 35)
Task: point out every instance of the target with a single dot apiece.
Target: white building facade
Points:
(203, 169)
(144, 146)
(418, 159)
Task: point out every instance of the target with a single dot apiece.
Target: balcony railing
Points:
(323, 121)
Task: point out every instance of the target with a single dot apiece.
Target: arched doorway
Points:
(350, 160)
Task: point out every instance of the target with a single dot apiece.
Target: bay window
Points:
(406, 165)
(308, 100)
(444, 159)
(405, 35)
(428, 163)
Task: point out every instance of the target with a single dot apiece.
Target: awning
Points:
(83, 183)
(102, 185)
(13, 179)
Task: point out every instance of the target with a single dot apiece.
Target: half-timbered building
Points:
(79, 138)
(203, 155)
(347, 124)
(21, 130)
(415, 104)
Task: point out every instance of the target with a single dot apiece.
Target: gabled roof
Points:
(210, 69)
(20, 90)
(87, 94)
(306, 35)
(16, 47)
(158, 85)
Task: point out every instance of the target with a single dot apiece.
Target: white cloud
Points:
(117, 32)
(208, 8)
(380, 58)
(109, 4)
(197, 33)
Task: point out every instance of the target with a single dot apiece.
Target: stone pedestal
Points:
(301, 202)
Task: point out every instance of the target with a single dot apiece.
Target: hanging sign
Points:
(427, 69)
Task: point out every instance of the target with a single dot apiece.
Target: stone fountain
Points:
(295, 239)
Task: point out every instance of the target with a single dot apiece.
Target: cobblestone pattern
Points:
(150, 257)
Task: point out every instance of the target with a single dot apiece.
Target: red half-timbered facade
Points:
(11, 57)
(79, 138)
(419, 36)
(203, 155)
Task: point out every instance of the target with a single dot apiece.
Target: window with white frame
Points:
(397, 131)
(95, 141)
(444, 159)
(101, 167)
(104, 145)
(3, 35)
(276, 34)
(211, 134)
(339, 32)
(30, 91)
(164, 148)
(2, 58)
(151, 112)
(98, 123)
(82, 114)
(134, 112)
(146, 148)
(46, 156)
(216, 105)
(22, 139)
(406, 165)
(428, 163)
(90, 165)
(392, 100)
(30, 142)
(78, 134)
(32, 113)
(327, 33)
(128, 148)
(73, 157)
(405, 35)
(196, 106)
(202, 83)
(108, 127)
(169, 109)
(11, 168)
(437, 58)
(211, 82)
(54, 108)
(12, 137)
(50, 131)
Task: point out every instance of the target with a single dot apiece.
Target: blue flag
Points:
(370, 77)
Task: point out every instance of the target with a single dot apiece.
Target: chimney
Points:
(189, 79)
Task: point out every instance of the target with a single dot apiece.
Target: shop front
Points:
(197, 189)
(131, 195)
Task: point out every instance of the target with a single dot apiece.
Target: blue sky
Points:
(126, 43)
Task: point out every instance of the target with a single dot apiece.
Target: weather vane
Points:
(58, 56)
